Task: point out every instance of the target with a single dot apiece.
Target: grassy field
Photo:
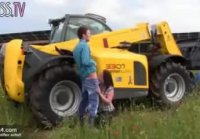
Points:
(141, 121)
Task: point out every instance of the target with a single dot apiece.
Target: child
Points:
(106, 95)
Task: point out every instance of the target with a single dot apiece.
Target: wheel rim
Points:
(65, 98)
(174, 87)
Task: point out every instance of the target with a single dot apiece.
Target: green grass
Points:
(141, 122)
(146, 123)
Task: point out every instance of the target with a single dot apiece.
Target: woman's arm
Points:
(108, 98)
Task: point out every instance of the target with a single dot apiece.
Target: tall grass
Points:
(144, 122)
(140, 121)
(15, 115)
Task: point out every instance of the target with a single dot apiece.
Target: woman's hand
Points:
(108, 98)
(98, 90)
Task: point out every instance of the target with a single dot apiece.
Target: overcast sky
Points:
(182, 15)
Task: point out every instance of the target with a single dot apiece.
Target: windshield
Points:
(56, 32)
(74, 23)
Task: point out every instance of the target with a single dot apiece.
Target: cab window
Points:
(56, 32)
(94, 26)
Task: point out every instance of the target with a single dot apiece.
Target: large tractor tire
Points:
(55, 95)
(169, 83)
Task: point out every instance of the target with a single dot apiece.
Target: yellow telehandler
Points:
(143, 61)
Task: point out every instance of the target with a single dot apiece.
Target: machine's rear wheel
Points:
(55, 95)
(169, 83)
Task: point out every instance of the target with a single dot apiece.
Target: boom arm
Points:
(166, 40)
(160, 34)
(115, 38)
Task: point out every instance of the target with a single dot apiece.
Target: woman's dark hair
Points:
(107, 77)
(81, 30)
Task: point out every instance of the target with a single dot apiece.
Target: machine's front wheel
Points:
(55, 95)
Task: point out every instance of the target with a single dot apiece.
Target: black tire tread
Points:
(157, 78)
(36, 95)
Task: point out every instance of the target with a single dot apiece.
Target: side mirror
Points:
(153, 34)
